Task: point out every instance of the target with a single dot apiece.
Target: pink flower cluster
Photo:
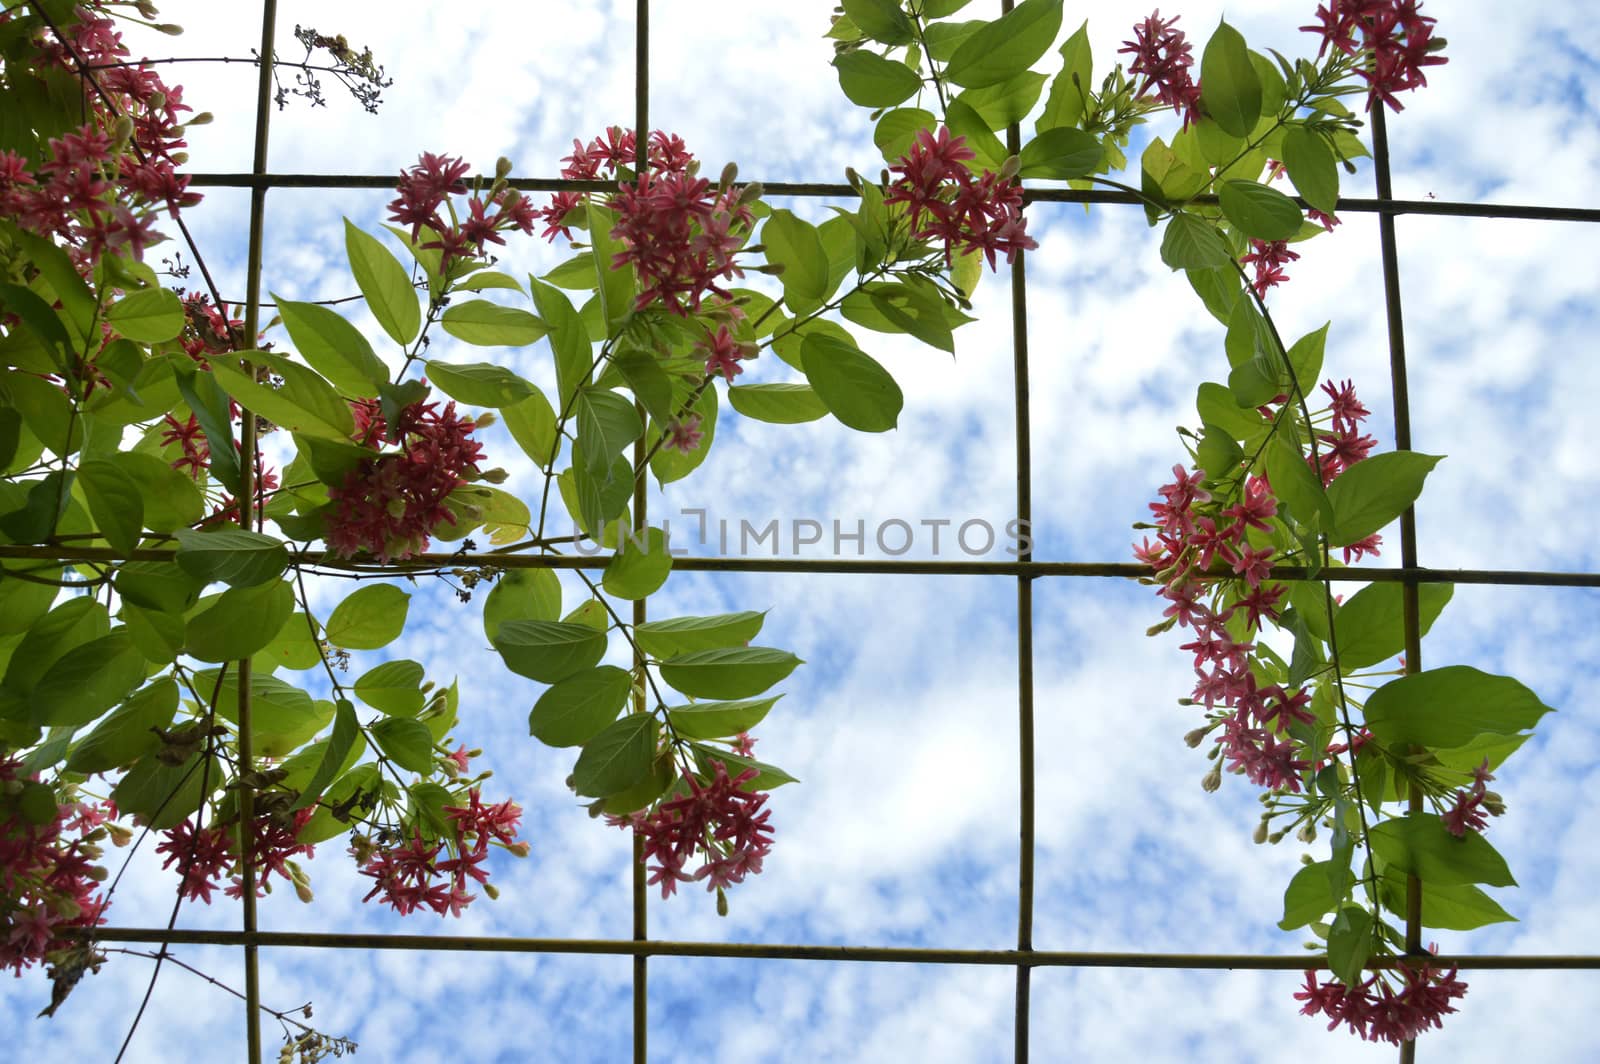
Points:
(1268, 258)
(1162, 57)
(48, 878)
(391, 503)
(946, 203)
(678, 230)
(719, 819)
(1193, 531)
(1397, 34)
(1471, 805)
(100, 188)
(412, 876)
(1379, 1013)
(428, 186)
(1345, 447)
(205, 856)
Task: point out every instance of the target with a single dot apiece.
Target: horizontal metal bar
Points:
(793, 952)
(838, 566)
(839, 190)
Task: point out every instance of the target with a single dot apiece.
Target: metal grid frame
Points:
(1025, 570)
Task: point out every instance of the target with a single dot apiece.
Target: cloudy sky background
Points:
(903, 726)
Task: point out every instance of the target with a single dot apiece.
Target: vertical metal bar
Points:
(1408, 520)
(1024, 514)
(641, 132)
(247, 492)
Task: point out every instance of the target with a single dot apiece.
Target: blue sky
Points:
(903, 725)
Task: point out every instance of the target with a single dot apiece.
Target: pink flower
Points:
(1268, 258)
(391, 503)
(683, 434)
(947, 204)
(1397, 35)
(721, 353)
(1162, 56)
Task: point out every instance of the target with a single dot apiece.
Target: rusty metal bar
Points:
(247, 509)
(802, 952)
(1353, 204)
(836, 566)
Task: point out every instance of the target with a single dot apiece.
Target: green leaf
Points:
(125, 735)
(1218, 288)
(854, 387)
(1191, 243)
(768, 777)
(1230, 88)
(166, 795)
(1061, 153)
(170, 500)
(881, 20)
(1350, 944)
(346, 730)
(395, 688)
(1305, 355)
(549, 651)
(795, 243)
(898, 129)
(716, 720)
(594, 501)
(779, 404)
(1007, 46)
(87, 680)
(872, 81)
(1371, 623)
(965, 122)
(652, 387)
(305, 403)
(149, 316)
(479, 383)
(231, 555)
(333, 347)
(1297, 487)
(1218, 454)
(1311, 167)
(210, 406)
(569, 339)
(1454, 908)
(1216, 406)
(607, 423)
(1419, 844)
(734, 672)
(681, 635)
(1449, 707)
(407, 743)
(1069, 92)
(532, 423)
(580, 707)
(486, 324)
(372, 617)
(617, 286)
(240, 622)
(1006, 102)
(522, 595)
(114, 502)
(385, 283)
(487, 279)
(1309, 895)
(294, 647)
(1259, 211)
(618, 757)
(1375, 491)
(638, 569)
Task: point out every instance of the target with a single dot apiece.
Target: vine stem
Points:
(1327, 596)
